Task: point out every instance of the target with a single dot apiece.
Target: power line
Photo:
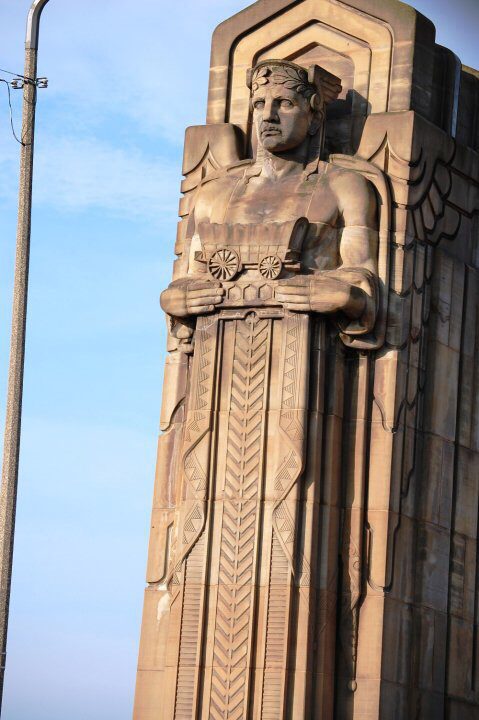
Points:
(7, 72)
(11, 112)
(17, 84)
(20, 80)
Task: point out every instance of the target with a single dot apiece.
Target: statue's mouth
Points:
(270, 131)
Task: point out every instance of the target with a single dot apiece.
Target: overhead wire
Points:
(11, 112)
(24, 77)
(29, 80)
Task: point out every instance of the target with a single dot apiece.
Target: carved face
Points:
(282, 116)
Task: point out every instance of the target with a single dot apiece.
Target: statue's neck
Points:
(276, 166)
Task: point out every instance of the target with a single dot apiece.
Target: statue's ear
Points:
(315, 102)
(249, 77)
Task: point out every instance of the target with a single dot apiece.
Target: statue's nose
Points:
(270, 112)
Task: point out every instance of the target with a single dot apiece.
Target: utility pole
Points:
(8, 491)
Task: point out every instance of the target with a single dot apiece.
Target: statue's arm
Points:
(358, 250)
(349, 289)
(192, 293)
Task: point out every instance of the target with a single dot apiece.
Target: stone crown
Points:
(281, 72)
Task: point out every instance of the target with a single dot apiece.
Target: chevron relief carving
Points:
(189, 641)
(292, 429)
(197, 441)
(187, 574)
(235, 604)
(276, 634)
(292, 351)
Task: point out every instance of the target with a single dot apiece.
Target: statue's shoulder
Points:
(349, 184)
(226, 176)
(216, 187)
(340, 178)
(343, 189)
(223, 178)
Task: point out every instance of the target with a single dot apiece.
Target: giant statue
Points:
(276, 245)
(290, 533)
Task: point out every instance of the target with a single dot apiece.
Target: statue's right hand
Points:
(191, 298)
(202, 297)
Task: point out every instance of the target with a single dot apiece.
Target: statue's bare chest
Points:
(261, 200)
(260, 227)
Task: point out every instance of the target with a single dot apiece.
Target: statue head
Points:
(287, 107)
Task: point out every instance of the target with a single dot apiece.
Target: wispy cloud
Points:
(115, 72)
(146, 63)
(76, 174)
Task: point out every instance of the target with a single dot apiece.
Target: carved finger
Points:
(198, 302)
(297, 282)
(202, 309)
(205, 299)
(292, 290)
(206, 285)
(207, 292)
(297, 307)
(297, 298)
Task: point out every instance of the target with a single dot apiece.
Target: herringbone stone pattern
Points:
(235, 602)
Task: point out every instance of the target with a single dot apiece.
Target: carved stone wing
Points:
(208, 148)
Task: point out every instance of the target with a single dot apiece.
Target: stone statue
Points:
(277, 245)
(313, 552)
(337, 263)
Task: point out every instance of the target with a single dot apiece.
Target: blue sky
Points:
(125, 80)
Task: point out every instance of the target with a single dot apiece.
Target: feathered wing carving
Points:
(422, 191)
(418, 209)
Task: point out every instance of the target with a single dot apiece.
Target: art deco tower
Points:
(314, 538)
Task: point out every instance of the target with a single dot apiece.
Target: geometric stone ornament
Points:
(314, 537)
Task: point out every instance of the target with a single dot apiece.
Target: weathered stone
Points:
(313, 547)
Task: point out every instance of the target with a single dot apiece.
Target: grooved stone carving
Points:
(238, 554)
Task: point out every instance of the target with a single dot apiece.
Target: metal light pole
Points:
(8, 491)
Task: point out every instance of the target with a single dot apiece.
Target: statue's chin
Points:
(272, 143)
(276, 144)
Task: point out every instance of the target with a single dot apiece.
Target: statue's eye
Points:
(259, 105)
(286, 103)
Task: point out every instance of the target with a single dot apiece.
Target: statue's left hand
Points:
(321, 294)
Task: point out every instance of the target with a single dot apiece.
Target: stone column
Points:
(318, 559)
